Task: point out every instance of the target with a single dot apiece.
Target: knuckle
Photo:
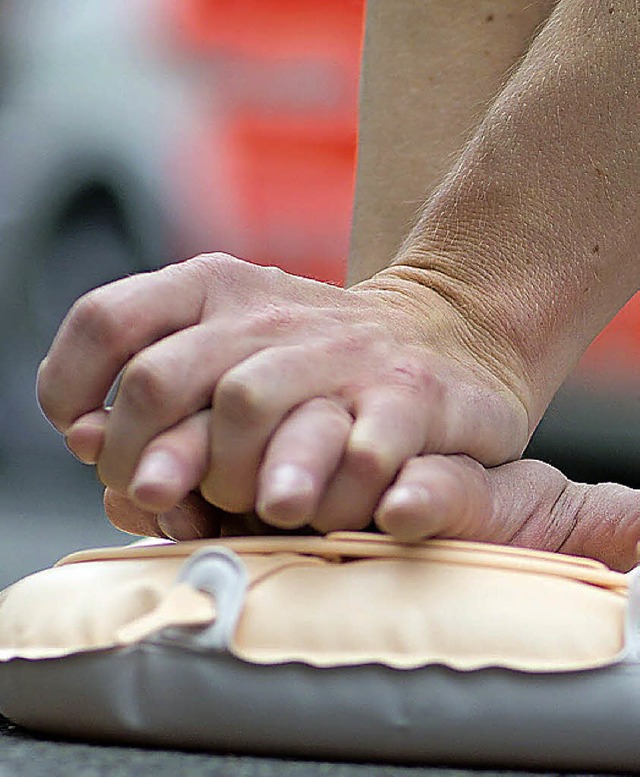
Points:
(363, 337)
(225, 269)
(271, 318)
(96, 317)
(335, 417)
(216, 260)
(372, 464)
(145, 388)
(411, 375)
(237, 401)
(210, 270)
(566, 510)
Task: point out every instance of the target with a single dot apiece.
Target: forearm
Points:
(533, 235)
(430, 70)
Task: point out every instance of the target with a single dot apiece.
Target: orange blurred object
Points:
(272, 172)
(273, 29)
(613, 360)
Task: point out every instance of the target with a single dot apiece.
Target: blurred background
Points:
(136, 132)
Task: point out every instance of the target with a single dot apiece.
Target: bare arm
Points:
(532, 237)
(429, 73)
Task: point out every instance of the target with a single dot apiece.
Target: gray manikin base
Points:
(170, 697)
(183, 687)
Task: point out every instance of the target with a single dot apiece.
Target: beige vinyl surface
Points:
(347, 599)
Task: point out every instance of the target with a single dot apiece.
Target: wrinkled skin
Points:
(317, 395)
(234, 410)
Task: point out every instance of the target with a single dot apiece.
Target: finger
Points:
(165, 383)
(85, 438)
(390, 427)
(128, 517)
(525, 503)
(605, 525)
(464, 410)
(249, 403)
(192, 519)
(105, 328)
(490, 426)
(250, 525)
(438, 496)
(172, 465)
(392, 423)
(300, 459)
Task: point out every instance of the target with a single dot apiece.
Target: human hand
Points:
(317, 394)
(524, 503)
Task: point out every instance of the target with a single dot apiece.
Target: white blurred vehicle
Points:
(137, 132)
(178, 126)
(89, 114)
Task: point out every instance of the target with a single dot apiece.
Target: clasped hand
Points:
(312, 406)
(272, 392)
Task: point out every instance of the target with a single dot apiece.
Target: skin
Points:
(457, 347)
(401, 163)
(195, 326)
(525, 503)
(544, 198)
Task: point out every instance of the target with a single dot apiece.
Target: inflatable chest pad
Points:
(349, 646)
(346, 599)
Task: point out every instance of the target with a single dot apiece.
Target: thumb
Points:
(525, 503)
(600, 521)
(193, 518)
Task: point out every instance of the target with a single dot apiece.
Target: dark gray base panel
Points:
(169, 697)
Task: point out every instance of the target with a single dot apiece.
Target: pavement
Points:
(22, 755)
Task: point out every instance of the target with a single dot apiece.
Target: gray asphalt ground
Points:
(22, 755)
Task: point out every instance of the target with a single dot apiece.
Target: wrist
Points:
(449, 320)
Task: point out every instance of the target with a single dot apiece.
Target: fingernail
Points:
(289, 480)
(85, 442)
(408, 513)
(399, 498)
(155, 468)
(288, 489)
